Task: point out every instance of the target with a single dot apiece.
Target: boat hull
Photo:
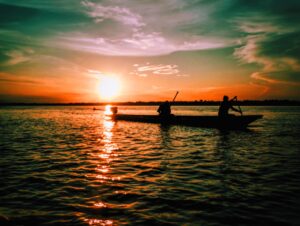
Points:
(233, 122)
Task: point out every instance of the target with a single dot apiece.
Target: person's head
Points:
(225, 98)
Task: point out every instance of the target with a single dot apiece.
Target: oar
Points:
(175, 96)
(235, 98)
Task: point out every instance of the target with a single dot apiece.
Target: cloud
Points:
(156, 69)
(264, 34)
(131, 28)
(120, 14)
(128, 28)
(11, 78)
(137, 44)
(274, 46)
(95, 74)
(156, 87)
(18, 56)
(278, 77)
(144, 28)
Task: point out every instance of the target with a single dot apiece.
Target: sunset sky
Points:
(62, 50)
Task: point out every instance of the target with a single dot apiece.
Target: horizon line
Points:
(195, 102)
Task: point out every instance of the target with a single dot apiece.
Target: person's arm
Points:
(235, 109)
(233, 99)
(159, 109)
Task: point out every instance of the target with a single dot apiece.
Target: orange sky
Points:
(63, 53)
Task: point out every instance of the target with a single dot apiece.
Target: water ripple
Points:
(71, 166)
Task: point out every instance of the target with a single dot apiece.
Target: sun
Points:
(109, 87)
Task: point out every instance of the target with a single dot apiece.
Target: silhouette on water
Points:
(226, 105)
(164, 109)
(222, 121)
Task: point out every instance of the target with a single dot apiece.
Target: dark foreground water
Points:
(70, 166)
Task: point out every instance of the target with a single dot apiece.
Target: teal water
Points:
(71, 166)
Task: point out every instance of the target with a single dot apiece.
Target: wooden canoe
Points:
(234, 122)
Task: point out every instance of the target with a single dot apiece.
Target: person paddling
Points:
(164, 109)
(226, 105)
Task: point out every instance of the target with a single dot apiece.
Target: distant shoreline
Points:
(177, 103)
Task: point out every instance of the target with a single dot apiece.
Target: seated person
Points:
(164, 109)
(225, 106)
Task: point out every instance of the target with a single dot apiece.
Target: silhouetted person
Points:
(164, 109)
(114, 110)
(225, 106)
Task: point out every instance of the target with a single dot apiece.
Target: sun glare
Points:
(109, 87)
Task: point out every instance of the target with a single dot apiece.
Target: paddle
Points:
(175, 96)
(166, 107)
(236, 100)
(174, 99)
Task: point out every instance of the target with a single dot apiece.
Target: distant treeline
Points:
(178, 103)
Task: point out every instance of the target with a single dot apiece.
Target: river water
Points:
(71, 166)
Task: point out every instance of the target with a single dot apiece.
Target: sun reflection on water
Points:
(100, 205)
(108, 110)
(109, 146)
(107, 153)
(104, 158)
(99, 222)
